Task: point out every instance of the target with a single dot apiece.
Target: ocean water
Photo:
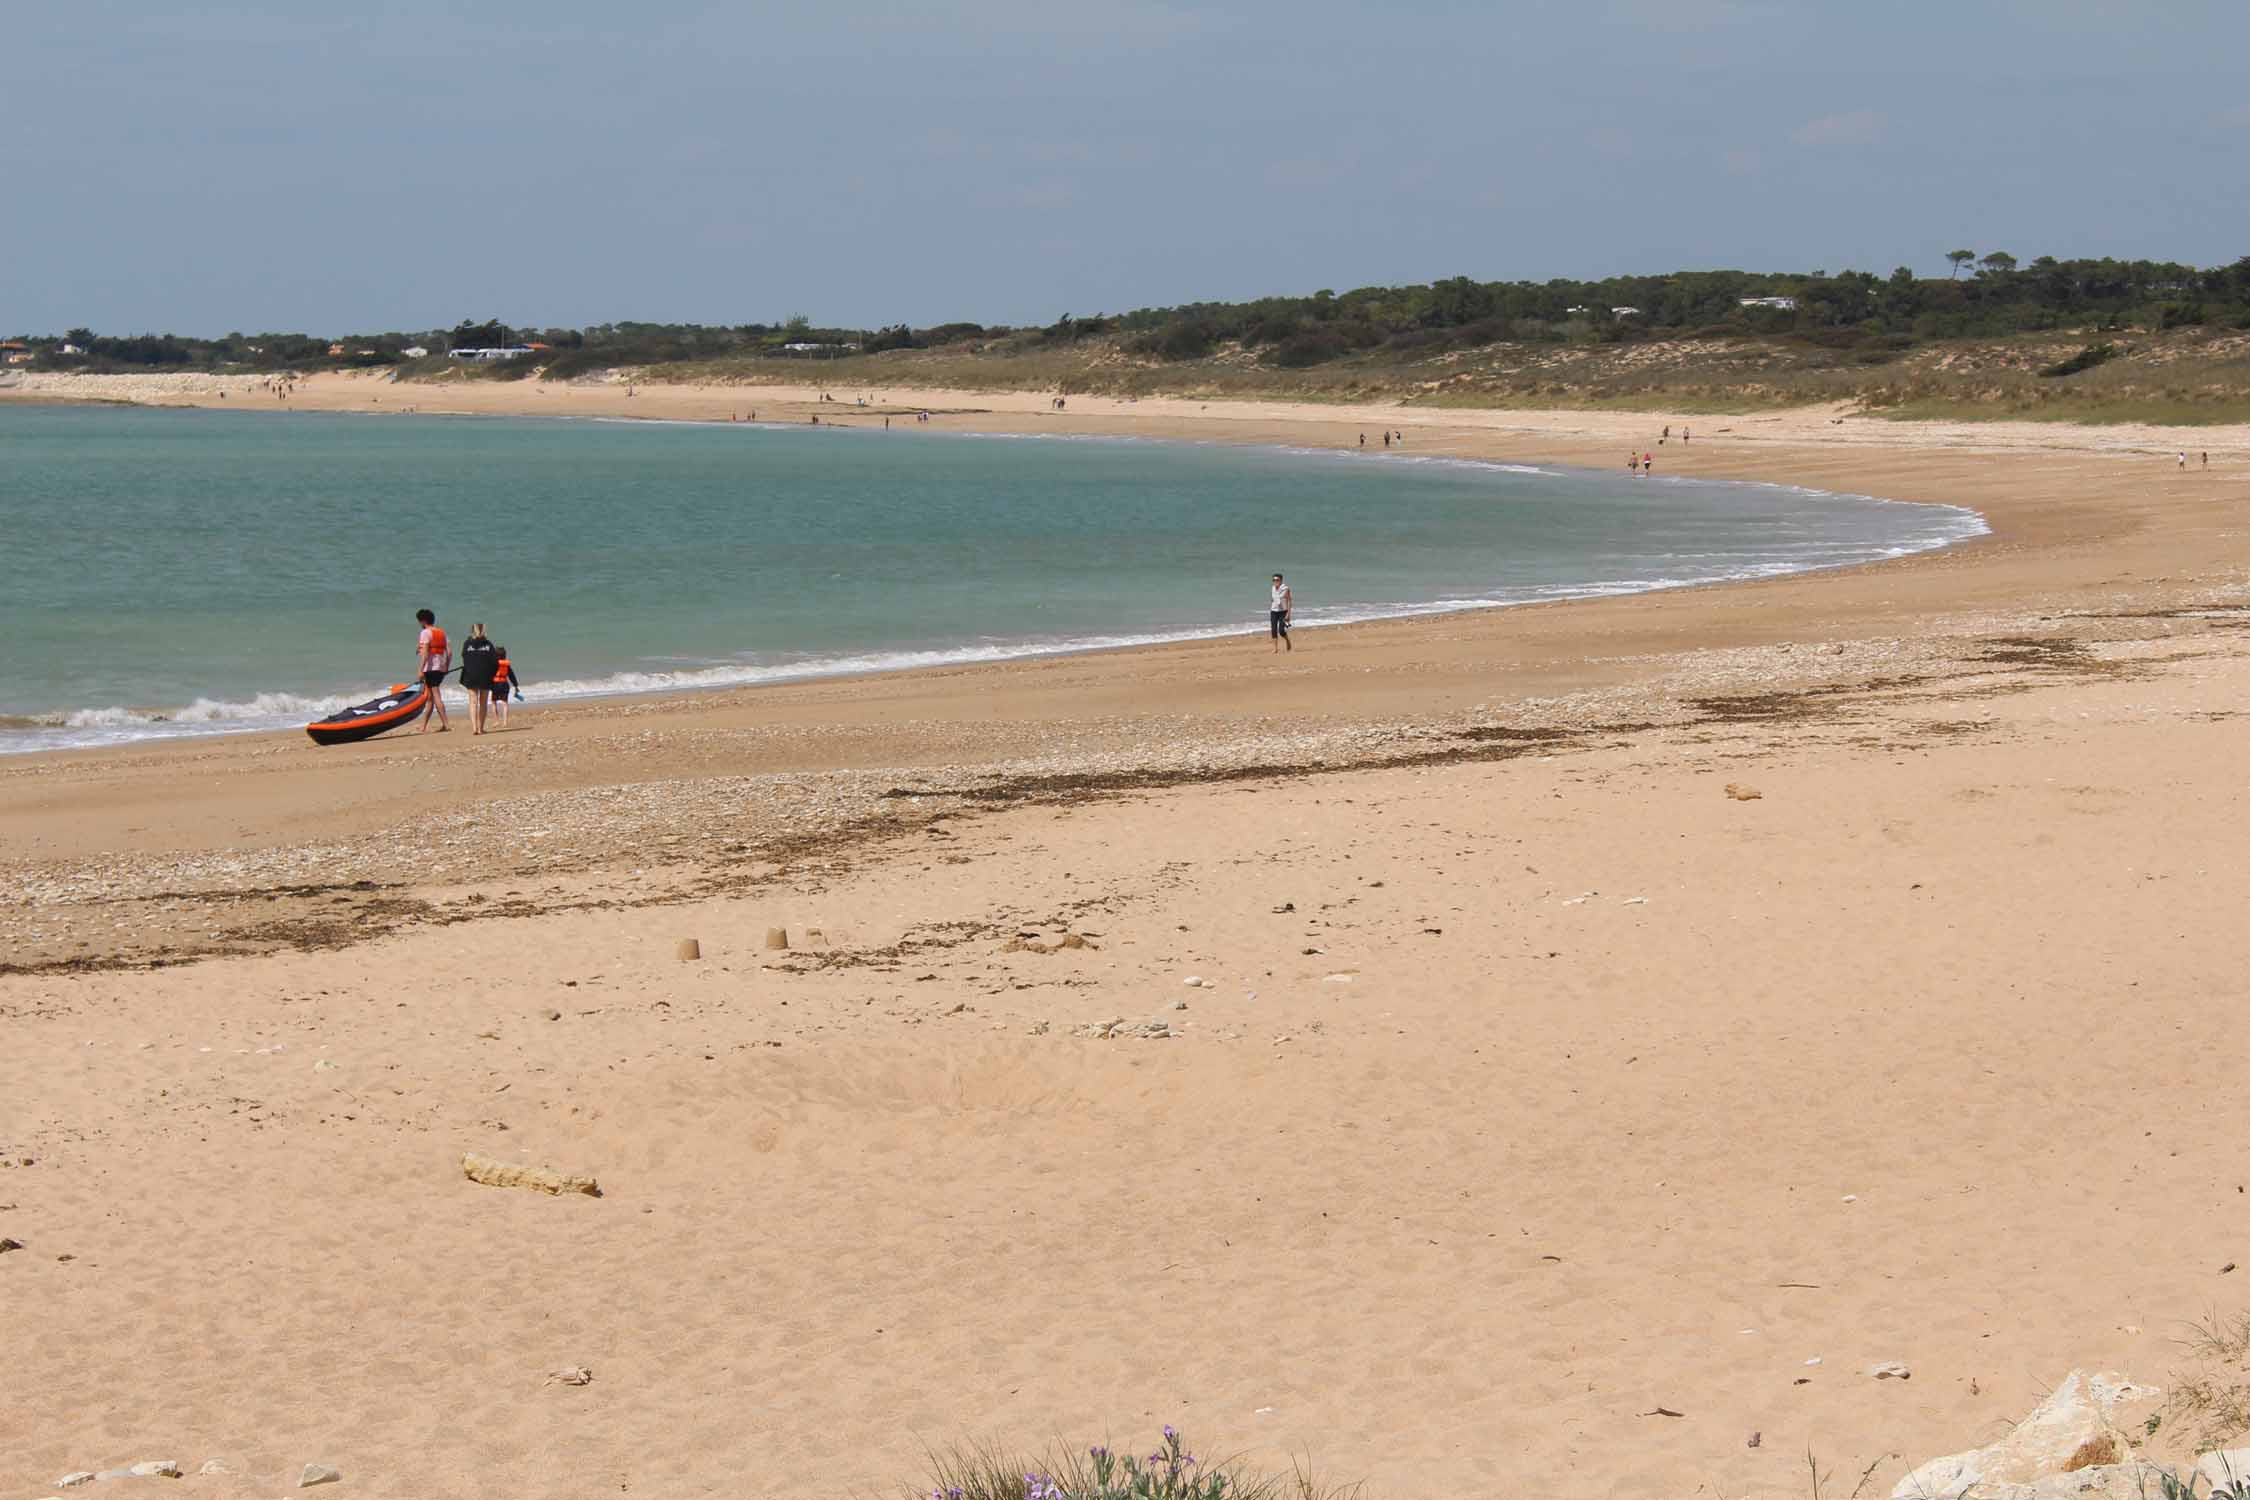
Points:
(192, 572)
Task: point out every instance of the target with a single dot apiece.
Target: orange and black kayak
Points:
(364, 721)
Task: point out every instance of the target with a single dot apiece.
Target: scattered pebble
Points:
(318, 1474)
(1890, 1369)
(570, 1375)
(1743, 793)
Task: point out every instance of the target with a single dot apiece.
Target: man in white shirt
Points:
(1277, 617)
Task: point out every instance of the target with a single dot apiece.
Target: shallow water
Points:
(179, 572)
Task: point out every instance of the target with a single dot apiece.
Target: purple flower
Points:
(1168, 1432)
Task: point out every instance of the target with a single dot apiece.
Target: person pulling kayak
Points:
(433, 658)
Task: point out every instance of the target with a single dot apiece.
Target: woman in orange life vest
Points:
(433, 657)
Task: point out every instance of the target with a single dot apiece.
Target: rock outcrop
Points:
(493, 1173)
(2076, 1443)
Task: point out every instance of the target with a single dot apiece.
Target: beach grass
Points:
(1170, 1471)
(2211, 1398)
(2190, 378)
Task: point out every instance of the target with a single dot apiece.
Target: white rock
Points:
(570, 1375)
(73, 1481)
(215, 1466)
(1335, 979)
(2130, 1481)
(318, 1474)
(2077, 1429)
(1890, 1369)
(1193, 981)
(157, 1468)
(2226, 1469)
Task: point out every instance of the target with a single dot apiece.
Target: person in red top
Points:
(433, 657)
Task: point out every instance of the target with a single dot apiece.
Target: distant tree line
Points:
(1998, 295)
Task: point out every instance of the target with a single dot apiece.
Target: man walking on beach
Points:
(433, 656)
(1277, 616)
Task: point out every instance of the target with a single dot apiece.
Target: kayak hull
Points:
(364, 721)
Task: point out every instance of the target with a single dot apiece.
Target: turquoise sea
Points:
(191, 572)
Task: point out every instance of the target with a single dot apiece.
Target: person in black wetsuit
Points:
(478, 658)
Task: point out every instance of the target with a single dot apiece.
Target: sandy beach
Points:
(1618, 1025)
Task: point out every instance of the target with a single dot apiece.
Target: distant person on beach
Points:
(504, 681)
(2183, 460)
(1278, 613)
(1363, 440)
(433, 658)
(478, 658)
(1648, 462)
(1633, 462)
(1684, 434)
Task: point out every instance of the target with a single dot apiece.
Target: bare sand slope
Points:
(1524, 1099)
(1539, 1088)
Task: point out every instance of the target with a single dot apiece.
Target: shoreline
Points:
(210, 718)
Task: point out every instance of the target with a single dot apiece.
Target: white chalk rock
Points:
(2129, 1481)
(318, 1474)
(2078, 1428)
(73, 1481)
(1890, 1369)
(2226, 1469)
(156, 1468)
(215, 1466)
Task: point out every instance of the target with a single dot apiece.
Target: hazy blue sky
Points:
(314, 165)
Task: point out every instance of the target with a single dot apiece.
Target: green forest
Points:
(1986, 294)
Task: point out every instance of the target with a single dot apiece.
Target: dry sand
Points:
(1537, 1083)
